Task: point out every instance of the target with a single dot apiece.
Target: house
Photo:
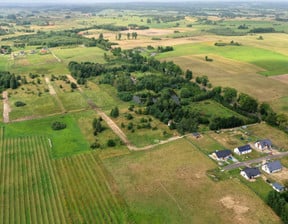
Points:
(278, 187)
(272, 167)
(250, 173)
(222, 154)
(196, 134)
(243, 149)
(263, 144)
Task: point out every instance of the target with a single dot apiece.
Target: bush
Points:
(58, 125)
(95, 145)
(111, 143)
(19, 104)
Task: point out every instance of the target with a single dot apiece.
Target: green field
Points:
(274, 63)
(169, 185)
(38, 189)
(65, 142)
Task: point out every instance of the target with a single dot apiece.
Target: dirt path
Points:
(6, 107)
(122, 135)
(51, 89)
(71, 79)
(53, 93)
(58, 59)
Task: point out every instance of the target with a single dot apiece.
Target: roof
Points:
(196, 134)
(278, 186)
(265, 142)
(251, 172)
(244, 148)
(275, 165)
(223, 153)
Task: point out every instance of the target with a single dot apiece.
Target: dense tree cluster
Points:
(279, 203)
(8, 80)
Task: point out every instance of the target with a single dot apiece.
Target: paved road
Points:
(258, 160)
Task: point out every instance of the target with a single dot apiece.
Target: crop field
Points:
(36, 63)
(36, 189)
(175, 174)
(274, 63)
(232, 73)
(65, 142)
(80, 54)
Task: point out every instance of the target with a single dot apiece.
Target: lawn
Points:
(36, 106)
(210, 108)
(65, 142)
(264, 131)
(169, 185)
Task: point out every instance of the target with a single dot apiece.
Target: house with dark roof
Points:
(243, 149)
(272, 167)
(278, 187)
(222, 154)
(250, 173)
(263, 144)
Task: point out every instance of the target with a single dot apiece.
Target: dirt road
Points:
(71, 79)
(51, 89)
(6, 107)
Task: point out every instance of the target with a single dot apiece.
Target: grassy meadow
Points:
(175, 174)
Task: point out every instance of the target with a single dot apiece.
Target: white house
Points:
(250, 173)
(243, 149)
(263, 144)
(272, 167)
(222, 154)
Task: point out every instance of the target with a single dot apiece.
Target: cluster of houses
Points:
(253, 172)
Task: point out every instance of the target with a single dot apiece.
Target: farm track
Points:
(6, 107)
(34, 188)
(54, 94)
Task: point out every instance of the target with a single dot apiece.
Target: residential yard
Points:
(264, 131)
(169, 184)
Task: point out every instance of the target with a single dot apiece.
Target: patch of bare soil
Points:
(6, 107)
(51, 89)
(281, 78)
(239, 210)
(281, 176)
(152, 32)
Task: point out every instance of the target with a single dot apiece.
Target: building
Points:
(250, 173)
(222, 154)
(278, 187)
(272, 167)
(243, 149)
(263, 144)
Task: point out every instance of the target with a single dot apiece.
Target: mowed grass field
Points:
(37, 189)
(66, 142)
(169, 185)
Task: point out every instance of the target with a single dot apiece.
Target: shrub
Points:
(19, 104)
(95, 145)
(111, 143)
(58, 125)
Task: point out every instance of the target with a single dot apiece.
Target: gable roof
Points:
(244, 148)
(278, 186)
(265, 142)
(223, 153)
(275, 165)
(251, 172)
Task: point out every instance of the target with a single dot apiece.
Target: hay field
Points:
(169, 185)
